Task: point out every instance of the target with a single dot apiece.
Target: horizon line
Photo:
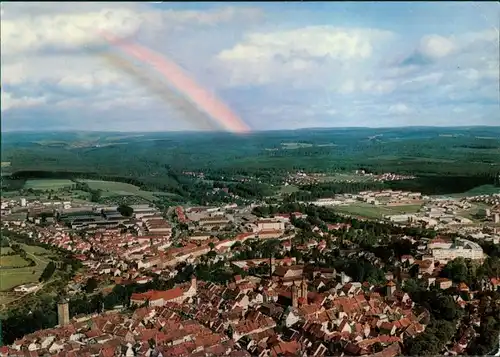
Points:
(253, 131)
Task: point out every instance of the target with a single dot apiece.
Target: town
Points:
(261, 280)
(254, 180)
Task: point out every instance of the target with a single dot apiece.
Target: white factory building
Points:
(444, 251)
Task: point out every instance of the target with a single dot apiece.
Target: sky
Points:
(277, 65)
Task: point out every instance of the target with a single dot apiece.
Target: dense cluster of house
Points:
(296, 310)
(257, 317)
(301, 178)
(147, 332)
(383, 197)
(292, 310)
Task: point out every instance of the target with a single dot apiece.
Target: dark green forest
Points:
(445, 160)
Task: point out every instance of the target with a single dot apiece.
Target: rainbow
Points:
(206, 101)
(157, 86)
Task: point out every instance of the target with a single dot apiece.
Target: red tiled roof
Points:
(153, 295)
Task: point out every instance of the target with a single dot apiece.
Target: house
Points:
(270, 224)
(443, 283)
(160, 298)
(27, 288)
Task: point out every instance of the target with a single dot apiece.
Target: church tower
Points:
(272, 265)
(63, 312)
(193, 289)
(391, 288)
(303, 289)
(295, 296)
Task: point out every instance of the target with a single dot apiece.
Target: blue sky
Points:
(277, 65)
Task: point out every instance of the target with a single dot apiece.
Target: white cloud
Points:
(436, 47)
(315, 41)
(44, 46)
(43, 64)
(399, 108)
(66, 31)
(263, 58)
(11, 102)
(68, 74)
(68, 27)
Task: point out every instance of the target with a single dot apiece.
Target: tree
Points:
(48, 272)
(456, 270)
(95, 196)
(91, 285)
(125, 210)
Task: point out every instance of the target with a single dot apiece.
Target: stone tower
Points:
(63, 312)
(303, 289)
(272, 265)
(391, 288)
(194, 283)
(295, 296)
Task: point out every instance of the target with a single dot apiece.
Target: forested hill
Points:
(454, 151)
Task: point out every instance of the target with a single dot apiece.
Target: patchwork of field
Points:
(64, 192)
(370, 211)
(11, 278)
(112, 188)
(48, 184)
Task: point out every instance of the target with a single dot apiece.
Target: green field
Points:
(33, 249)
(5, 250)
(48, 184)
(371, 211)
(474, 213)
(7, 261)
(113, 188)
(288, 189)
(479, 190)
(14, 277)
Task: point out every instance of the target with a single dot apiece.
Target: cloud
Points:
(49, 48)
(67, 27)
(277, 67)
(435, 47)
(11, 102)
(399, 108)
(283, 56)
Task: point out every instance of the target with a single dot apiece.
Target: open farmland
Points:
(288, 189)
(37, 251)
(113, 188)
(371, 211)
(11, 261)
(5, 250)
(17, 276)
(478, 191)
(47, 184)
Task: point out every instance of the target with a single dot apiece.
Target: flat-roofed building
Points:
(270, 224)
